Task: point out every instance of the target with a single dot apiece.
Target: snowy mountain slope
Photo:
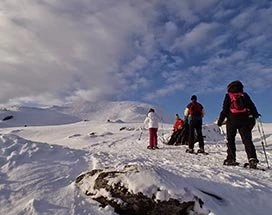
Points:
(29, 116)
(38, 166)
(127, 111)
(35, 176)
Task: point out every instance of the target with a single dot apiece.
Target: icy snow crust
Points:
(39, 164)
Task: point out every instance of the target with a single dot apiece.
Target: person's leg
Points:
(191, 135)
(151, 137)
(200, 136)
(173, 138)
(246, 136)
(155, 140)
(178, 137)
(231, 133)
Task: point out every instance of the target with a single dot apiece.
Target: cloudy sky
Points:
(156, 51)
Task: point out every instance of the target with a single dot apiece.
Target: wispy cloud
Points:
(56, 51)
(199, 36)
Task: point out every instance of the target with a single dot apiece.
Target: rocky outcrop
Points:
(112, 187)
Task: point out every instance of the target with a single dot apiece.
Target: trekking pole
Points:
(162, 128)
(268, 167)
(162, 133)
(224, 134)
(262, 130)
(262, 142)
(140, 136)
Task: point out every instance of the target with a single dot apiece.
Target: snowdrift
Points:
(39, 166)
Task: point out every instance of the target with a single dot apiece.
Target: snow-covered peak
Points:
(126, 111)
(104, 111)
(30, 116)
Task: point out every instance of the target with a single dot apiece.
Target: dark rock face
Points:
(128, 203)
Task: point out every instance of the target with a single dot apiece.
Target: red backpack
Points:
(195, 109)
(237, 103)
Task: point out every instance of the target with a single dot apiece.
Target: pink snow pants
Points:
(153, 138)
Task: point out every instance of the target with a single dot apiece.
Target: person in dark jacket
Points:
(194, 113)
(239, 119)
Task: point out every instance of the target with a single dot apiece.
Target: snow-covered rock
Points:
(139, 190)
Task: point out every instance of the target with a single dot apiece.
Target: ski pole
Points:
(140, 135)
(262, 142)
(224, 134)
(162, 130)
(265, 156)
(262, 130)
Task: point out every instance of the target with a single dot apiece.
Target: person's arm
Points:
(146, 121)
(186, 112)
(202, 111)
(251, 106)
(225, 110)
(182, 123)
(175, 126)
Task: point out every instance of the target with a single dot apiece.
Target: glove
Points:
(256, 116)
(219, 123)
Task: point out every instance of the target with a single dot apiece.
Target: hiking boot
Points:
(191, 151)
(229, 162)
(253, 163)
(201, 151)
(156, 147)
(150, 147)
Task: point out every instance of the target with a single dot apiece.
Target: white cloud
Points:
(199, 35)
(243, 19)
(164, 91)
(53, 50)
(45, 45)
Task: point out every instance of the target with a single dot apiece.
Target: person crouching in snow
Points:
(152, 122)
(176, 130)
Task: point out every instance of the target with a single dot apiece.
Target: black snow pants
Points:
(195, 126)
(174, 137)
(245, 132)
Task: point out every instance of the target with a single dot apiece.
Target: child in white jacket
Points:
(152, 122)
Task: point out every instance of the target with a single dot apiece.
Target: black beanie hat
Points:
(193, 98)
(235, 87)
(151, 110)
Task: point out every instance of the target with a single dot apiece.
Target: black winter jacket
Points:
(238, 119)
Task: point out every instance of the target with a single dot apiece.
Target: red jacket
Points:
(178, 124)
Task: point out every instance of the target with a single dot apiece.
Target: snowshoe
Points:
(253, 167)
(202, 151)
(228, 162)
(191, 151)
(253, 163)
